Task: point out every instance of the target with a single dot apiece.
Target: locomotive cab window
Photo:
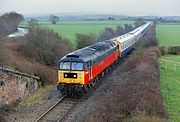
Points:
(77, 66)
(65, 65)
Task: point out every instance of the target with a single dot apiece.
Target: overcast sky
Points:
(128, 7)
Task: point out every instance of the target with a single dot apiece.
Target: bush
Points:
(84, 40)
(175, 50)
(44, 46)
(150, 38)
(2, 119)
(107, 34)
(9, 22)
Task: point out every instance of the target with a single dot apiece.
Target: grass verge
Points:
(38, 95)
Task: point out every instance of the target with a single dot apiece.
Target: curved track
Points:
(59, 111)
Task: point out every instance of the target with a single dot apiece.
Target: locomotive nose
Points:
(69, 77)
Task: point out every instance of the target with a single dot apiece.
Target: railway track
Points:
(59, 111)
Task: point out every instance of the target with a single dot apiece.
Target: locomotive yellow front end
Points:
(71, 77)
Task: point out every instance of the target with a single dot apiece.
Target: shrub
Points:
(44, 46)
(84, 40)
(175, 50)
(2, 119)
(9, 22)
(107, 34)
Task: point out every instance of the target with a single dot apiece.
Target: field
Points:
(69, 29)
(168, 34)
(170, 82)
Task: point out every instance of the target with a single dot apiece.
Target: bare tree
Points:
(9, 22)
(119, 30)
(84, 40)
(108, 33)
(33, 22)
(139, 22)
(54, 19)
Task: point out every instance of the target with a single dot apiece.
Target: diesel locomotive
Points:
(79, 70)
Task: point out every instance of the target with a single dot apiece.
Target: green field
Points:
(69, 29)
(170, 87)
(168, 34)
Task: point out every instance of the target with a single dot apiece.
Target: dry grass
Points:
(2, 119)
(36, 96)
(145, 118)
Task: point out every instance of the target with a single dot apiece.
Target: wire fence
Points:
(168, 64)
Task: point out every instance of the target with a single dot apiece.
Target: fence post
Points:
(174, 67)
(166, 65)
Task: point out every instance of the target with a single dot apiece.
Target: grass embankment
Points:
(170, 82)
(69, 29)
(168, 34)
(38, 95)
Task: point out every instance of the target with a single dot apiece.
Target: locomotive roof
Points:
(89, 53)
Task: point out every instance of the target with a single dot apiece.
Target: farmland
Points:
(168, 34)
(69, 29)
(170, 81)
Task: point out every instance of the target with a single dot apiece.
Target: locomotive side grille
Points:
(70, 75)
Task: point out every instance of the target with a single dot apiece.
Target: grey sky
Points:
(129, 7)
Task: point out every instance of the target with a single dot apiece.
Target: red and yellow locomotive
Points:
(78, 69)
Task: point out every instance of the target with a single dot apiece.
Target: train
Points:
(80, 70)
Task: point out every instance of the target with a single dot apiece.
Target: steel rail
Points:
(50, 109)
